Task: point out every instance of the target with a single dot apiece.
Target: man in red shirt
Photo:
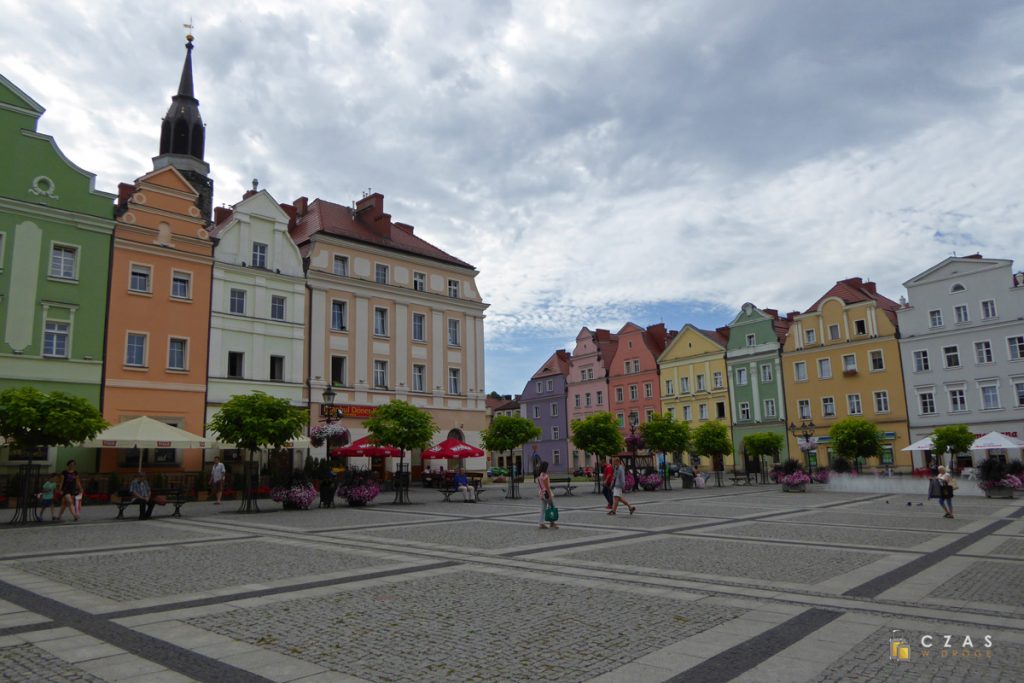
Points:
(607, 476)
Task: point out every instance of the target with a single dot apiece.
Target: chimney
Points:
(853, 281)
(773, 312)
(124, 193)
(221, 214)
(300, 205)
(871, 288)
(370, 212)
(405, 227)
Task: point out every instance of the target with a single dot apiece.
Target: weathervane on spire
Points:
(189, 26)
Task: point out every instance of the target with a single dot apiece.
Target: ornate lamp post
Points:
(805, 431)
(327, 406)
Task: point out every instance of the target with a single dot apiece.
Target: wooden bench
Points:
(448, 489)
(559, 482)
(175, 497)
(741, 479)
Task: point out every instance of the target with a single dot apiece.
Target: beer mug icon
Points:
(899, 647)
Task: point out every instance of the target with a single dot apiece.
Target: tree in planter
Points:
(253, 422)
(712, 440)
(598, 434)
(662, 433)
(30, 420)
(506, 433)
(855, 438)
(953, 439)
(403, 426)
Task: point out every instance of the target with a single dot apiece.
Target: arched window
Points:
(456, 434)
(957, 287)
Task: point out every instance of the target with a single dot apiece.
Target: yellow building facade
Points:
(841, 359)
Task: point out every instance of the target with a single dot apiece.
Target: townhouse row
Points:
(152, 302)
(951, 351)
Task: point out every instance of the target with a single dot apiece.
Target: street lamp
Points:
(805, 430)
(327, 407)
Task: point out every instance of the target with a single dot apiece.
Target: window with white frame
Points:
(177, 354)
(236, 364)
(671, 413)
(803, 408)
(951, 354)
(380, 322)
(277, 368)
(540, 386)
(957, 287)
(853, 406)
(551, 384)
(63, 262)
(767, 373)
(419, 327)
(554, 410)
(55, 339)
(181, 285)
(935, 318)
(769, 407)
(419, 282)
(860, 327)
(556, 433)
(687, 413)
(989, 396)
(236, 301)
(720, 410)
(587, 401)
(700, 382)
(960, 313)
(341, 265)
(140, 279)
(988, 309)
(828, 406)
(824, 368)
(621, 418)
(135, 350)
(618, 394)
(800, 371)
(744, 410)
(277, 305)
(648, 414)
(810, 336)
(882, 401)
(453, 381)
(380, 274)
(648, 390)
(850, 363)
(751, 340)
(339, 370)
(877, 360)
(921, 361)
(419, 377)
(578, 400)
(339, 313)
(684, 385)
(600, 398)
(1015, 347)
(716, 380)
(1018, 391)
(668, 387)
(453, 289)
(453, 332)
(536, 412)
(259, 255)
(741, 376)
(833, 332)
(703, 409)
(380, 374)
(926, 402)
(983, 351)
(957, 400)
(632, 392)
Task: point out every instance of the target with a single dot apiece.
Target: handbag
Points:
(551, 514)
(934, 488)
(952, 484)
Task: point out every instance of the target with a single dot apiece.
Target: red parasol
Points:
(452, 448)
(364, 448)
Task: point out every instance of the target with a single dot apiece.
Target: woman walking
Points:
(70, 486)
(946, 491)
(547, 498)
(618, 486)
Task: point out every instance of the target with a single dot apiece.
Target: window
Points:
(1018, 389)
(536, 412)
(339, 311)
(720, 410)
(648, 414)
(833, 332)
(877, 360)
(744, 410)
(926, 402)
(684, 384)
(751, 340)
(380, 374)
(671, 413)
(957, 401)
(237, 301)
(636, 365)
(622, 419)
(921, 361)
(453, 289)
(769, 407)
(453, 334)
(277, 368)
(55, 339)
(860, 327)
(236, 364)
(632, 392)
(853, 405)
(419, 282)
(716, 380)
(181, 285)
(700, 382)
(341, 265)
(957, 288)
(63, 262)
(419, 327)
(800, 371)
(540, 387)
(578, 400)
(881, 401)
(419, 377)
(824, 368)
(453, 381)
(850, 363)
(668, 387)
(600, 398)
(989, 396)
(988, 309)
(1015, 346)
(803, 409)
(380, 274)
(554, 410)
(135, 350)
(960, 312)
(380, 322)
(741, 376)
(551, 384)
(767, 373)
(339, 370)
(555, 433)
(177, 354)
(983, 351)
(952, 356)
(703, 408)
(648, 390)
(618, 394)
(259, 255)
(277, 304)
(687, 413)
(828, 406)
(935, 318)
(809, 336)
(139, 280)
(587, 399)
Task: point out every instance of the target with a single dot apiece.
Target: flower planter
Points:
(999, 492)
(794, 488)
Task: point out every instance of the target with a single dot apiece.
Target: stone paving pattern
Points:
(62, 537)
(814, 533)
(26, 662)
(484, 535)
(995, 582)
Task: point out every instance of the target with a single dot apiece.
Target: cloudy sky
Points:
(598, 161)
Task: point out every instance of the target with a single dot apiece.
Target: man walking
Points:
(217, 478)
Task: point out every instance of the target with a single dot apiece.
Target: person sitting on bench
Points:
(141, 492)
(461, 483)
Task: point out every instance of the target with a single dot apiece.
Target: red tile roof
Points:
(557, 364)
(854, 290)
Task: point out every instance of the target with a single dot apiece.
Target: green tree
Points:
(662, 433)
(855, 438)
(30, 419)
(253, 422)
(712, 440)
(401, 425)
(954, 438)
(508, 432)
(763, 445)
(598, 434)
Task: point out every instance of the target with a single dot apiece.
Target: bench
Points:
(175, 497)
(741, 479)
(562, 483)
(447, 489)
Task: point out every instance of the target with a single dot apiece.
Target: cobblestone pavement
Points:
(733, 583)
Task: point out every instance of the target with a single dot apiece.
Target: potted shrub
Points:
(995, 479)
(794, 479)
(362, 493)
(298, 496)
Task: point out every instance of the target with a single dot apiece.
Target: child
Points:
(46, 497)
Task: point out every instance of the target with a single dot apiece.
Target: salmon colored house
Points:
(633, 373)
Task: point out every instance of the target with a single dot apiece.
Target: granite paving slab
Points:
(992, 582)
(26, 662)
(873, 538)
(1013, 547)
(482, 535)
(897, 519)
(66, 537)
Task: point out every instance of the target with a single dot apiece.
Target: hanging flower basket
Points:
(322, 433)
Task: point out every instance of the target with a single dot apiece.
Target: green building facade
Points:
(754, 362)
(55, 237)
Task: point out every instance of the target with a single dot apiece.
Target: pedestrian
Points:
(50, 487)
(70, 487)
(547, 498)
(607, 478)
(143, 494)
(946, 491)
(618, 486)
(217, 478)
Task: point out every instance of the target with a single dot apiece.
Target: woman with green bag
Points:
(548, 511)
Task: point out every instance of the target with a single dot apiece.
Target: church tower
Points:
(183, 138)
